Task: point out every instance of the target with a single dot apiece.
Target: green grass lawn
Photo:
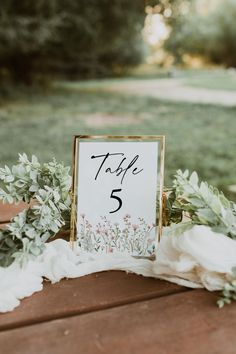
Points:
(211, 79)
(199, 137)
(214, 79)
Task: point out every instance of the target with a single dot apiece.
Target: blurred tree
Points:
(208, 34)
(74, 37)
(172, 10)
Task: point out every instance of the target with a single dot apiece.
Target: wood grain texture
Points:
(7, 211)
(85, 294)
(181, 323)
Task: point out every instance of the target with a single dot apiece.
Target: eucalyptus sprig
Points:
(203, 204)
(48, 186)
(229, 291)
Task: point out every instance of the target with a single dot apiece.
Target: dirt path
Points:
(175, 90)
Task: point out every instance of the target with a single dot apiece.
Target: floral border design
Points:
(108, 237)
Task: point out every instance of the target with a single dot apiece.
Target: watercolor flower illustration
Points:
(128, 237)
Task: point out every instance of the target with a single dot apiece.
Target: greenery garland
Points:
(202, 204)
(49, 186)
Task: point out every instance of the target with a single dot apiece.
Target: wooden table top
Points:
(114, 312)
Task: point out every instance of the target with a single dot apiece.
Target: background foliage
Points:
(73, 38)
(210, 35)
(88, 38)
(43, 41)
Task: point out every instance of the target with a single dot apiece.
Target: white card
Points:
(117, 196)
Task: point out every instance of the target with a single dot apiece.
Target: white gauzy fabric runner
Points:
(197, 258)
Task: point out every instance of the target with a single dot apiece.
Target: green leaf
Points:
(207, 216)
(179, 229)
(204, 191)
(25, 235)
(193, 179)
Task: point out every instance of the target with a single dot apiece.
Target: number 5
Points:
(117, 198)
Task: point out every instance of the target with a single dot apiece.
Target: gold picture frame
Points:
(116, 138)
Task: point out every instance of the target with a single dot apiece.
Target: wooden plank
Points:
(7, 211)
(85, 294)
(182, 323)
